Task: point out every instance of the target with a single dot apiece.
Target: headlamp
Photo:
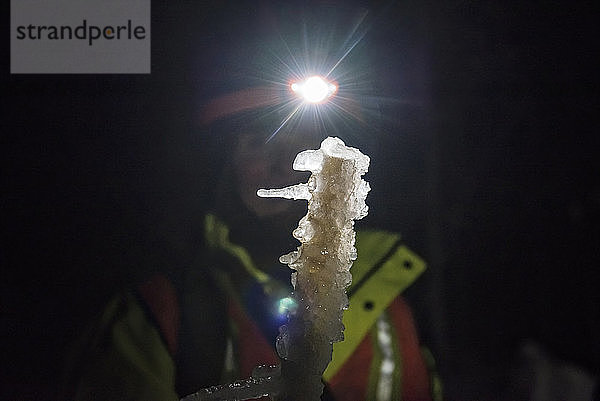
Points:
(314, 89)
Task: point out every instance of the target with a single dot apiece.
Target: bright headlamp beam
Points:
(314, 89)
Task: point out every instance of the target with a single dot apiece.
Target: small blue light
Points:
(286, 305)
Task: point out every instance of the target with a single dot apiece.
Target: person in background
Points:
(212, 319)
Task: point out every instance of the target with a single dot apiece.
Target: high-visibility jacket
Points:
(131, 352)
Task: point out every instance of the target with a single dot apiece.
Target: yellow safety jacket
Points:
(129, 351)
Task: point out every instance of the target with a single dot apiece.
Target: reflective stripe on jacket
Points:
(380, 357)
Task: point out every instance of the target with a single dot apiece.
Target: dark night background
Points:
(488, 167)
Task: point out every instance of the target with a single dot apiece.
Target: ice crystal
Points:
(336, 197)
(320, 275)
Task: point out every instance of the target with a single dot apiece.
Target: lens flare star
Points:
(315, 64)
(315, 89)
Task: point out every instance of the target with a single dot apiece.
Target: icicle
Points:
(336, 196)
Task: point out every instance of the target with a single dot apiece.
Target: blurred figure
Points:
(212, 321)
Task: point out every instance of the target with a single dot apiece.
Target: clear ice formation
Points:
(336, 196)
(265, 380)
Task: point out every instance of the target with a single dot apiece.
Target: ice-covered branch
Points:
(265, 380)
(320, 266)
